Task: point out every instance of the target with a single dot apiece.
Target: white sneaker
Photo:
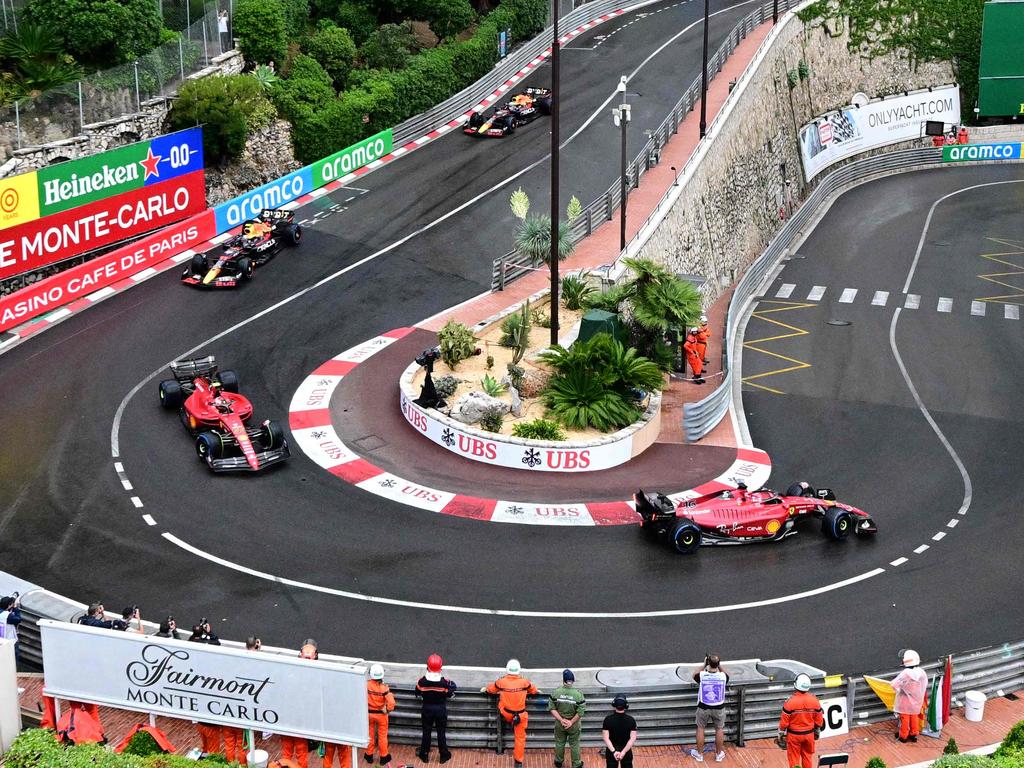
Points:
(697, 755)
(720, 757)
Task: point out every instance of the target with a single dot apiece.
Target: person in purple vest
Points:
(711, 680)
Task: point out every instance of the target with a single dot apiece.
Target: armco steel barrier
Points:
(700, 417)
(513, 265)
(662, 697)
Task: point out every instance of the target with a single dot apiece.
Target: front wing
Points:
(265, 459)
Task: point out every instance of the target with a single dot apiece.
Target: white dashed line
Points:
(816, 293)
(1011, 312)
(939, 536)
(118, 466)
(126, 485)
(952, 523)
(978, 308)
(881, 299)
(913, 301)
(787, 289)
(149, 520)
(920, 549)
(849, 294)
(945, 305)
(898, 562)
(137, 502)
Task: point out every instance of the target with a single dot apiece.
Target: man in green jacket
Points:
(567, 706)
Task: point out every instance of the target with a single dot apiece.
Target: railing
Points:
(700, 417)
(513, 265)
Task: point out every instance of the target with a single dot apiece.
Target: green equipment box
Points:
(1001, 86)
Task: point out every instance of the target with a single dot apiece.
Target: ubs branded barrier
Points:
(852, 129)
(318, 700)
(963, 152)
(104, 270)
(45, 241)
(64, 186)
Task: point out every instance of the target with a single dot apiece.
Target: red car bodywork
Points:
(742, 517)
(227, 410)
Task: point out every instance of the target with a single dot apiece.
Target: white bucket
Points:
(258, 758)
(974, 710)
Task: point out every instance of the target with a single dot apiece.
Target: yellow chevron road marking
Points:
(1000, 278)
(793, 332)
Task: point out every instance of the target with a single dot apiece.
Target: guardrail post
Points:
(501, 275)
(590, 222)
(608, 203)
(741, 716)
(499, 748)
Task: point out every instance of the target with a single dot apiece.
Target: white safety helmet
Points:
(377, 672)
(911, 658)
(513, 667)
(703, 319)
(803, 683)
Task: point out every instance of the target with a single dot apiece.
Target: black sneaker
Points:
(914, 739)
(368, 757)
(423, 756)
(446, 757)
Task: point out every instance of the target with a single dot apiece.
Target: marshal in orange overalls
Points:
(692, 350)
(512, 691)
(380, 701)
(801, 717)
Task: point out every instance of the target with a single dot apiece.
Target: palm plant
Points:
(534, 239)
(37, 61)
(575, 291)
(579, 400)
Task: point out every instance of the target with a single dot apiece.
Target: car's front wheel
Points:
(229, 380)
(686, 537)
(209, 446)
(800, 489)
(246, 268)
(837, 523)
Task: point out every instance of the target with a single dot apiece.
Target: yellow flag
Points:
(883, 689)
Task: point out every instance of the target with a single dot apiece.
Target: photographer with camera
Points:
(711, 682)
(128, 615)
(10, 618)
(203, 633)
(169, 629)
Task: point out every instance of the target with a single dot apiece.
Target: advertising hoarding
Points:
(349, 159)
(959, 153)
(851, 130)
(319, 700)
(272, 195)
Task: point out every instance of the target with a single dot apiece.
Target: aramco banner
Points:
(852, 129)
(64, 186)
(319, 700)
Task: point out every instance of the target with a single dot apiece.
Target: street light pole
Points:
(775, 12)
(555, 109)
(704, 77)
(621, 116)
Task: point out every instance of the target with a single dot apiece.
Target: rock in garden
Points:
(534, 382)
(513, 393)
(470, 406)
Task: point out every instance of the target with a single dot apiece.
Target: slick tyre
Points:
(293, 235)
(685, 537)
(273, 434)
(228, 380)
(544, 106)
(246, 268)
(171, 395)
(799, 489)
(837, 524)
(209, 447)
(198, 266)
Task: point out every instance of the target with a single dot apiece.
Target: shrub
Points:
(388, 47)
(510, 330)
(446, 386)
(575, 290)
(490, 362)
(533, 239)
(335, 50)
(143, 745)
(876, 762)
(296, 17)
(1014, 741)
(951, 747)
(261, 29)
(492, 418)
(515, 332)
(33, 748)
(307, 89)
(492, 386)
(226, 107)
(540, 318)
(100, 33)
(516, 375)
(964, 761)
(359, 21)
(539, 429)
(446, 17)
(456, 342)
(579, 401)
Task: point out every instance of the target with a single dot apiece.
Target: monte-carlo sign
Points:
(64, 186)
(319, 700)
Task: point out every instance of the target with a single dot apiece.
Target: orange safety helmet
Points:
(434, 663)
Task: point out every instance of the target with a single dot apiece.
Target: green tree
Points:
(296, 17)
(306, 89)
(335, 50)
(388, 47)
(359, 20)
(100, 33)
(226, 107)
(260, 27)
(446, 17)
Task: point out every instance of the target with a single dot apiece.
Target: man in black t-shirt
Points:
(619, 732)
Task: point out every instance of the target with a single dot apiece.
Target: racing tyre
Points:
(273, 434)
(171, 395)
(544, 106)
(837, 523)
(198, 266)
(685, 537)
(476, 120)
(209, 446)
(293, 234)
(228, 380)
(246, 268)
(798, 489)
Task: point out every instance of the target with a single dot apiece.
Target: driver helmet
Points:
(249, 230)
(215, 387)
(521, 99)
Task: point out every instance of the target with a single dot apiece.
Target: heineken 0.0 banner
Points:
(854, 129)
(64, 186)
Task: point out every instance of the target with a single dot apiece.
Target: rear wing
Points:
(185, 371)
(276, 215)
(538, 91)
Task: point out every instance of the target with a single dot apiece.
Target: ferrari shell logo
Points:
(773, 526)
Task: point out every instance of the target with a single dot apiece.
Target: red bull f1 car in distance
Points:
(744, 517)
(260, 240)
(218, 418)
(521, 109)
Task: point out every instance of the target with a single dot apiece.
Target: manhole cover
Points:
(839, 322)
(369, 443)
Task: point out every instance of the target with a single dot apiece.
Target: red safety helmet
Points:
(434, 663)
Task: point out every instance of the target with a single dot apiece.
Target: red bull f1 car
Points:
(521, 109)
(260, 240)
(745, 517)
(219, 418)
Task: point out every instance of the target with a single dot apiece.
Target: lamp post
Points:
(704, 77)
(775, 12)
(620, 115)
(555, 109)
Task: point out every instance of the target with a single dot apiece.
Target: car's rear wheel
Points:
(837, 523)
(476, 120)
(294, 234)
(686, 537)
(799, 489)
(544, 106)
(209, 446)
(171, 395)
(246, 268)
(228, 380)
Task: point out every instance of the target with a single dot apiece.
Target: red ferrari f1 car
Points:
(217, 416)
(260, 240)
(521, 109)
(744, 517)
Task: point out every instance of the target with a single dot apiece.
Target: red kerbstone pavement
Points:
(860, 743)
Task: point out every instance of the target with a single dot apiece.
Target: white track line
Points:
(786, 291)
(913, 301)
(816, 293)
(881, 299)
(920, 549)
(898, 562)
(1011, 312)
(849, 294)
(978, 308)
(944, 305)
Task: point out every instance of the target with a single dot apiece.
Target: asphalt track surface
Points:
(68, 524)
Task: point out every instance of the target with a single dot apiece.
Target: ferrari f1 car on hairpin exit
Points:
(260, 240)
(521, 109)
(218, 418)
(745, 517)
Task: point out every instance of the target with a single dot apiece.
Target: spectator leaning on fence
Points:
(94, 617)
(435, 690)
(380, 701)
(512, 690)
(711, 681)
(619, 733)
(567, 705)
